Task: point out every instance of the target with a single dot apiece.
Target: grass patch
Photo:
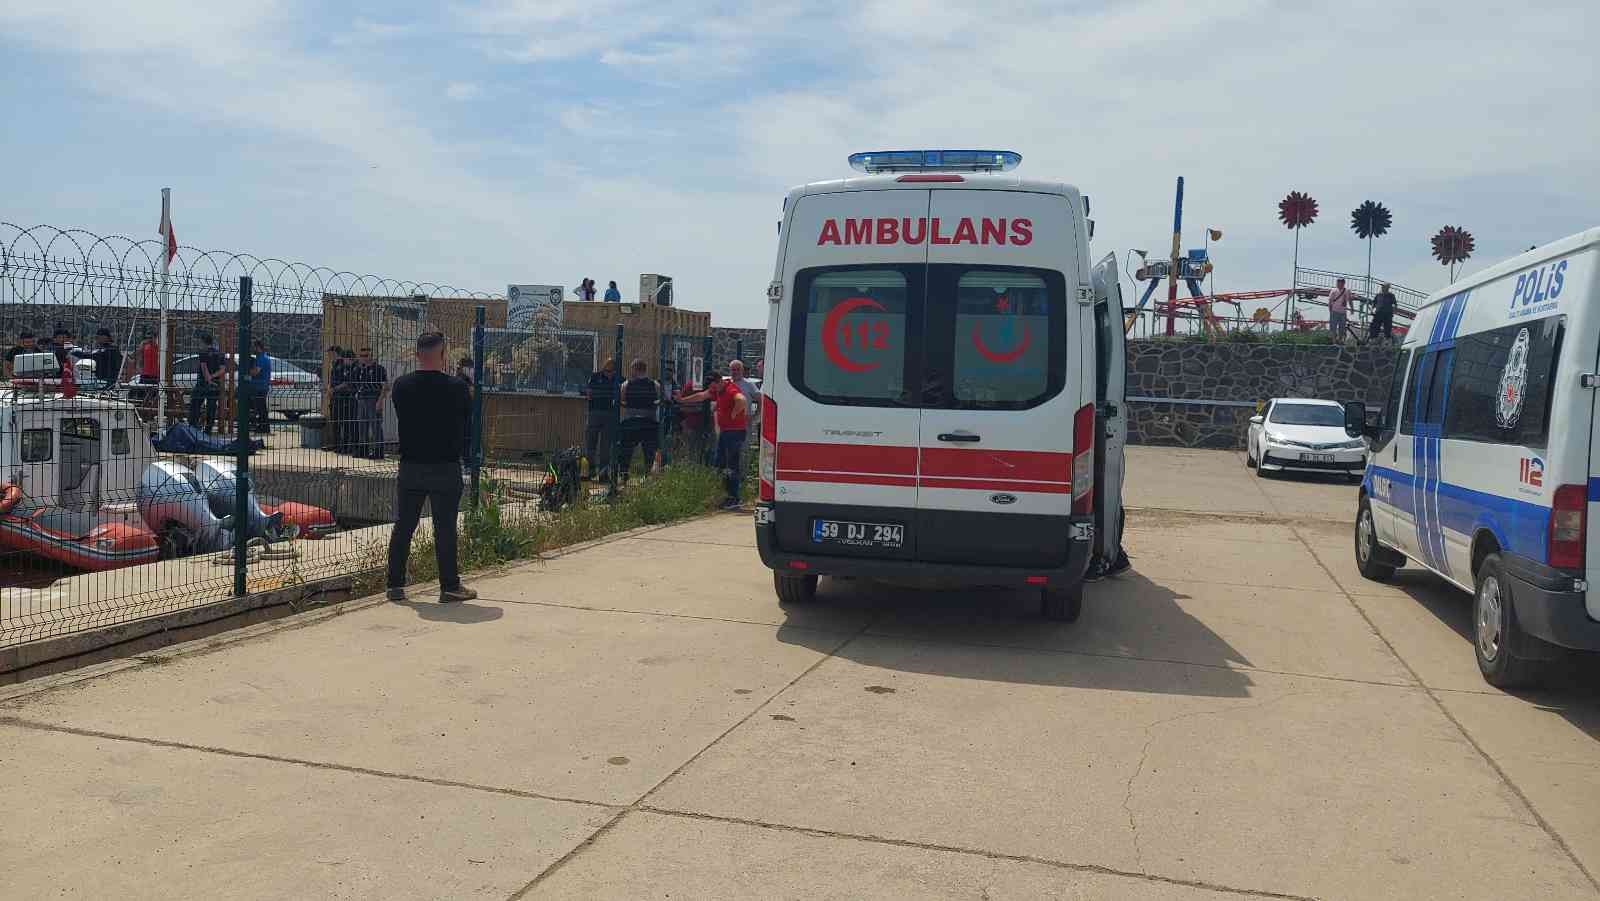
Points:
(505, 527)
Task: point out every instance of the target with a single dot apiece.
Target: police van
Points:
(1482, 467)
(944, 382)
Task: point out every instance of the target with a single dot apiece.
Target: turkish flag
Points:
(166, 226)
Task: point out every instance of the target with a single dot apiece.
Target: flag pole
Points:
(166, 267)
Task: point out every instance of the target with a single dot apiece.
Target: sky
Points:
(478, 144)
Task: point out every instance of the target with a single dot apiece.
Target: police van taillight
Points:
(1566, 536)
(1083, 460)
(769, 447)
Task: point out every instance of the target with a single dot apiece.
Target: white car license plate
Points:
(857, 534)
(1317, 458)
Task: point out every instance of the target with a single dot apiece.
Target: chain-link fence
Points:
(121, 465)
(175, 437)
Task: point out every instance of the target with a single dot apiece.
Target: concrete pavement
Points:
(1241, 716)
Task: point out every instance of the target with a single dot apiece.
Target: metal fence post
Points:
(241, 466)
(475, 452)
(615, 425)
(738, 349)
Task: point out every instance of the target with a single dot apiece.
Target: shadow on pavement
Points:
(1571, 686)
(465, 614)
(1128, 623)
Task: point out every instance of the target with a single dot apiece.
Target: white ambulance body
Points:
(1482, 466)
(935, 404)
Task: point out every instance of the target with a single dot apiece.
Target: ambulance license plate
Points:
(857, 534)
(1317, 458)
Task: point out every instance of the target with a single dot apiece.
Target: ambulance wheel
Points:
(1497, 636)
(1063, 605)
(1371, 559)
(794, 589)
(1249, 458)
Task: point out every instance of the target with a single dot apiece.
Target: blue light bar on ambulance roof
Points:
(879, 161)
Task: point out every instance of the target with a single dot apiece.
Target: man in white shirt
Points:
(1338, 309)
(752, 394)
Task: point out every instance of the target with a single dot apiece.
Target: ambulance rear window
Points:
(1002, 339)
(849, 331)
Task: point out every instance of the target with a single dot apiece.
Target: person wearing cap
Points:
(107, 358)
(1382, 324)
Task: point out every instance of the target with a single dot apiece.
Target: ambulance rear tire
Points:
(1497, 636)
(1371, 558)
(794, 589)
(1063, 605)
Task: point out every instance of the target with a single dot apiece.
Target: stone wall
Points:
(1191, 377)
(725, 346)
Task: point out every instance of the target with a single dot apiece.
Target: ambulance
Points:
(944, 382)
(1482, 467)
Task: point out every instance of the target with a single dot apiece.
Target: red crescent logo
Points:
(1010, 356)
(830, 333)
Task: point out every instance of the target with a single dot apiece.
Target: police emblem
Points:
(1513, 383)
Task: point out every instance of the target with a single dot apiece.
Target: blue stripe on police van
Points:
(1520, 526)
(1594, 490)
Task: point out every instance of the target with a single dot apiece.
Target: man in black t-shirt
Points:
(107, 358)
(207, 385)
(432, 407)
(1382, 325)
(598, 434)
(372, 387)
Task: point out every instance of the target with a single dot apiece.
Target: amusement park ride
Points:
(1192, 267)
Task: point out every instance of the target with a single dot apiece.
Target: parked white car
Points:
(294, 390)
(1297, 433)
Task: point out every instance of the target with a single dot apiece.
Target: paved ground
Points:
(1241, 716)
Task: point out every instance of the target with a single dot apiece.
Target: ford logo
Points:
(1003, 499)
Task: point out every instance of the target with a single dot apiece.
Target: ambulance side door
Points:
(1110, 381)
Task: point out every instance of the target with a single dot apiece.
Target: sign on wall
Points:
(526, 303)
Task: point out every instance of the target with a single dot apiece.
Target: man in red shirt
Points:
(731, 412)
(149, 374)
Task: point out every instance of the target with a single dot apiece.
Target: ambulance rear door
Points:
(847, 410)
(1001, 381)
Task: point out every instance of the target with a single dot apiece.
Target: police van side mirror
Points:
(1355, 418)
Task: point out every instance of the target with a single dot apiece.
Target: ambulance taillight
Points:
(1083, 461)
(1567, 513)
(769, 447)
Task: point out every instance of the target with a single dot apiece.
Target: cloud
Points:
(630, 136)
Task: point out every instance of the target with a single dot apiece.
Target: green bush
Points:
(504, 527)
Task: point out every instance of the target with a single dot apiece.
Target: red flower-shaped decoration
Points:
(1297, 210)
(1452, 245)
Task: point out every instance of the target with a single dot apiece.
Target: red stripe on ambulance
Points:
(987, 470)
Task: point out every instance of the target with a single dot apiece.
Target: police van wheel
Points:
(1371, 559)
(1063, 605)
(1496, 634)
(795, 589)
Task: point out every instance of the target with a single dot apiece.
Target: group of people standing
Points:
(586, 291)
(633, 409)
(1339, 302)
(104, 354)
(358, 386)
